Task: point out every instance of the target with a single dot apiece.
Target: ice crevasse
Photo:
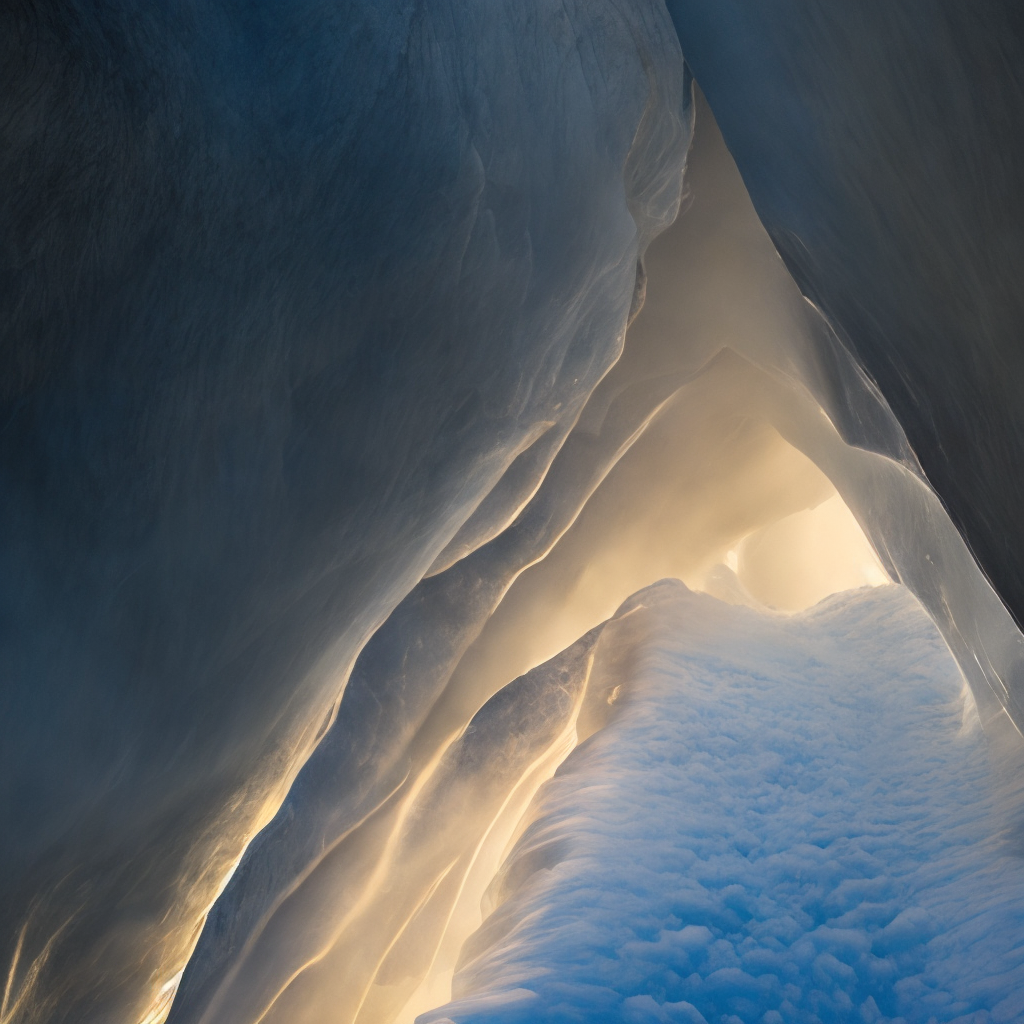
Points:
(359, 381)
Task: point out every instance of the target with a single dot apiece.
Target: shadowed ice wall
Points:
(285, 290)
(300, 305)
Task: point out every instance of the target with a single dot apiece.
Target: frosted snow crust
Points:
(301, 308)
(787, 820)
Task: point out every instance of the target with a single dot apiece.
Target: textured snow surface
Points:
(790, 819)
(303, 303)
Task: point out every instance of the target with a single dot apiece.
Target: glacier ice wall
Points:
(310, 318)
(881, 144)
(784, 819)
(689, 444)
(286, 288)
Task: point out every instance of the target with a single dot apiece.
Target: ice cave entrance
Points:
(801, 559)
(735, 446)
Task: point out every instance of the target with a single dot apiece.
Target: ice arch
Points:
(264, 370)
(882, 149)
(691, 447)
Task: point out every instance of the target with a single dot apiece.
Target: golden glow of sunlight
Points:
(803, 558)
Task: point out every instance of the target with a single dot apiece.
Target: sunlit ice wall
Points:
(736, 446)
(286, 290)
(293, 294)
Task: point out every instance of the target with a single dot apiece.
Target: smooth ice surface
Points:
(882, 145)
(301, 303)
(788, 819)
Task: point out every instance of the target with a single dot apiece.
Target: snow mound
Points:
(788, 819)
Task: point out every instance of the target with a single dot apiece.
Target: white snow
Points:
(791, 819)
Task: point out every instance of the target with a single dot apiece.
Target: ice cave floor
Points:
(787, 819)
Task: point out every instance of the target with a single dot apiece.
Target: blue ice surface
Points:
(790, 820)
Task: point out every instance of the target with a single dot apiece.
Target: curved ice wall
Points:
(286, 290)
(881, 145)
(306, 308)
(343, 908)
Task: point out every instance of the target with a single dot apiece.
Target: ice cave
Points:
(512, 512)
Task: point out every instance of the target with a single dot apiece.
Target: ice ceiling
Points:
(453, 474)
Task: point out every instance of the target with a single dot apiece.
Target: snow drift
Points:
(786, 819)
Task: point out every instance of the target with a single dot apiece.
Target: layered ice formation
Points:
(286, 289)
(688, 450)
(335, 429)
(882, 147)
(788, 819)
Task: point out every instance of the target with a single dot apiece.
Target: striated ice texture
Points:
(882, 147)
(286, 289)
(326, 459)
(689, 445)
(786, 819)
